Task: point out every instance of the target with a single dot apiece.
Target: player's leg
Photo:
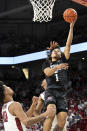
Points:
(55, 127)
(50, 101)
(61, 120)
(48, 122)
(61, 111)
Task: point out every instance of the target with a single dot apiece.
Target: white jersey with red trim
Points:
(11, 123)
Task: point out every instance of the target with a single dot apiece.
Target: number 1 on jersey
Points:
(56, 75)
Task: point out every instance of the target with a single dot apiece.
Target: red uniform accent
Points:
(18, 124)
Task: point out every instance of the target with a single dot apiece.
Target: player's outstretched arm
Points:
(69, 41)
(16, 110)
(39, 106)
(32, 107)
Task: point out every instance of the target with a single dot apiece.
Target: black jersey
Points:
(59, 78)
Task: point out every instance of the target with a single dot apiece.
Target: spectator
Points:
(77, 117)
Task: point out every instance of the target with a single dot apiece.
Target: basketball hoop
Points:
(42, 10)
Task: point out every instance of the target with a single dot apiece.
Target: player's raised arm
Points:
(69, 41)
(32, 107)
(41, 99)
(39, 106)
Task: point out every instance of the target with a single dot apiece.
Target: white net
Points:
(42, 10)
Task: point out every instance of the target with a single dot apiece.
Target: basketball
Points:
(70, 15)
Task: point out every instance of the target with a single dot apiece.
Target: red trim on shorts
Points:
(18, 123)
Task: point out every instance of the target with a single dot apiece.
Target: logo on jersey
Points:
(50, 98)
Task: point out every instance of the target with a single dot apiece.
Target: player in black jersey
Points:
(55, 69)
(40, 105)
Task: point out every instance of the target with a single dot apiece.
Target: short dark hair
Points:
(1, 93)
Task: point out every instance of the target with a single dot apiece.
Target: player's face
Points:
(8, 91)
(44, 84)
(56, 53)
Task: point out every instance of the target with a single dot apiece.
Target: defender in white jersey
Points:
(14, 118)
(10, 120)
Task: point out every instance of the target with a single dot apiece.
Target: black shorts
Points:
(57, 97)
